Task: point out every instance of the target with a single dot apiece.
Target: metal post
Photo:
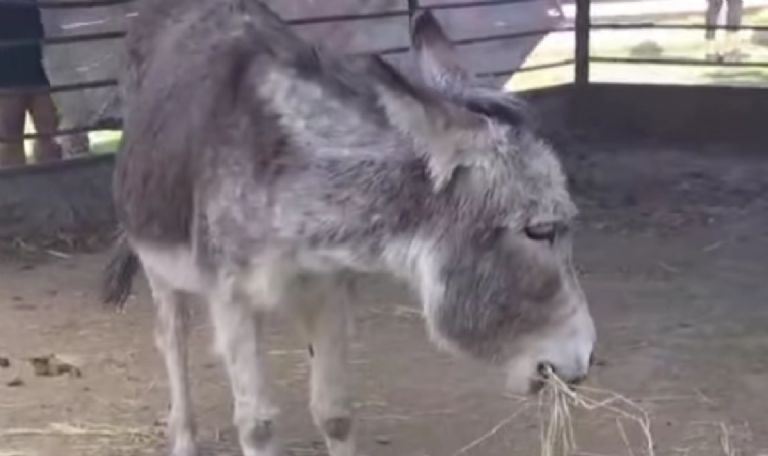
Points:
(413, 5)
(583, 26)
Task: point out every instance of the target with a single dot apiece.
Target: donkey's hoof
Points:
(185, 448)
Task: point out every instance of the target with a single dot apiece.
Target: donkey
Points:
(261, 174)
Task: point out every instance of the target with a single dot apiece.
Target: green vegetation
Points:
(104, 142)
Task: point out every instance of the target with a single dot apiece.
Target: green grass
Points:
(104, 142)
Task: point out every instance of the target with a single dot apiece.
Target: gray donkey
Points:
(261, 174)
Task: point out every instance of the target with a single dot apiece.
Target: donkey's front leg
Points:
(327, 329)
(240, 341)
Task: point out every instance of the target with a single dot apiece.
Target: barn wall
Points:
(57, 200)
(550, 108)
(665, 113)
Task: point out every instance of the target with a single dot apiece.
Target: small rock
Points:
(382, 440)
(51, 366)
(15, 382)
(5, 362)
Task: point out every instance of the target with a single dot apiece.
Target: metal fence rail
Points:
(671, 61)
(67, 4)
(585, 58)
(480, 39)
(676, 62)
(67, 39)
(75, 86)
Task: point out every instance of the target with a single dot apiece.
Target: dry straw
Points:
(557, 402)
(76, 429)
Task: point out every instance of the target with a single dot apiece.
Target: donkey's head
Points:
(492, 260)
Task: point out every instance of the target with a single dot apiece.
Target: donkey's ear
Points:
(445, 134)
(435, 55)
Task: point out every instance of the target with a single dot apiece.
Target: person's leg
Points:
(712, 15)
(46, 119)
(12, 110)
(733, 22)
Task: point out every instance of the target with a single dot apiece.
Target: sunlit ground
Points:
(658, 44)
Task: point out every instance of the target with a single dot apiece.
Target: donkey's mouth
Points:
(536, 385)
(544, 373)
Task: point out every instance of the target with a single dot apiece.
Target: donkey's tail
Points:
(119, 274)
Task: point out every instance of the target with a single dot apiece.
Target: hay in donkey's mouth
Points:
(557, 400)
(558, 403)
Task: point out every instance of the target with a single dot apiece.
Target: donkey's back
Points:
(190, 107)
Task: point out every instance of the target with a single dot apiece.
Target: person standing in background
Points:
(22, 77)
(734, 12)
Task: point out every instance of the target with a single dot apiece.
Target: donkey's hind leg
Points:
(171, 331)
(240, 341)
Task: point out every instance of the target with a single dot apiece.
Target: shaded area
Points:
(66, 202)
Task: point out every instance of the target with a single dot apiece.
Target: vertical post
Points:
(583, 29)
(413, 5)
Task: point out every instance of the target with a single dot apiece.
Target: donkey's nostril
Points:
(592, 359)
(545, 370)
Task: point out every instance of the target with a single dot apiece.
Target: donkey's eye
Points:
(495, 233)
(542, 232)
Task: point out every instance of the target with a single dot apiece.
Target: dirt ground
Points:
(672, 246)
